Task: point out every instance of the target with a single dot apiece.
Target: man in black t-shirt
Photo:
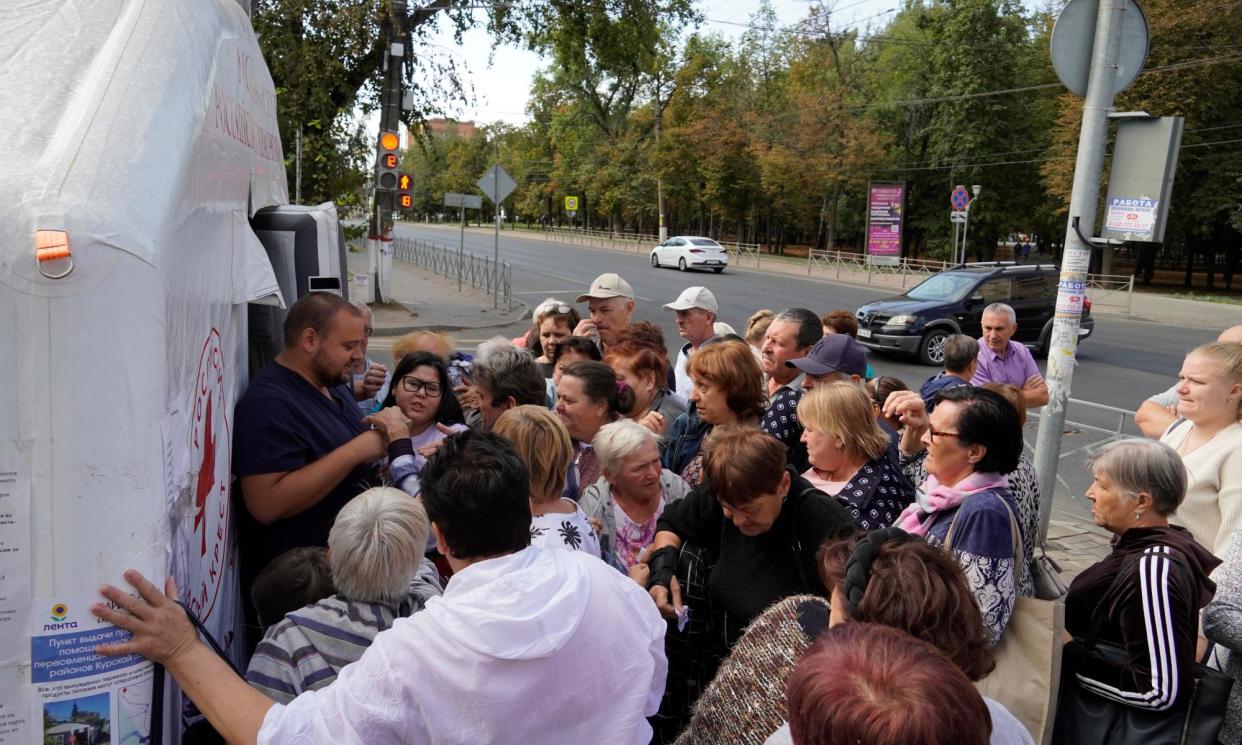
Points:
(301, 448)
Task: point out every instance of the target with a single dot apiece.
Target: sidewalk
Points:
(423, 300)
(1076, 545)
(1146, 306)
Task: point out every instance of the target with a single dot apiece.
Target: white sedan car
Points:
(690, 252)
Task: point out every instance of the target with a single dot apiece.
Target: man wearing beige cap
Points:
(696, 314)
(610, 302)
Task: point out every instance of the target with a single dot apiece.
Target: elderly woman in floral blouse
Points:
(973, 440)
(628, 499)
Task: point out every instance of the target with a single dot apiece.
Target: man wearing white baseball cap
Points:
(610, 302)
(696, 315)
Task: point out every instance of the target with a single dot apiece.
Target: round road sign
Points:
(960, 198)
(1073, 36)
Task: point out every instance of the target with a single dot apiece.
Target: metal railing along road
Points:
(855, 266)
(1100, 424)
(480, 271)
(1112, 291)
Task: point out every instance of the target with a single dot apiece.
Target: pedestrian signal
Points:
(389, 158)
(404, 183)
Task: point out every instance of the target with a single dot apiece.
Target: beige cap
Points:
(606, 286)
(694, 297)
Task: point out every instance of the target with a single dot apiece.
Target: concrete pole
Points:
(1092, 142)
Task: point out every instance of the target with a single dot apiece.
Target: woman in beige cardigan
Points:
(1209, 438)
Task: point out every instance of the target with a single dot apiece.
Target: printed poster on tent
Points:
(80, 697)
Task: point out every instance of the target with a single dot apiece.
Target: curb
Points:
(385, 331)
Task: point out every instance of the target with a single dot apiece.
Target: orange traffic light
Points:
(406, 201)
(389, 158)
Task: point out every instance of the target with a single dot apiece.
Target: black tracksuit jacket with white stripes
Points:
(1153, 613)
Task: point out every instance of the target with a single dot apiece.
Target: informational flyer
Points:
(885, 205)
(80, 696)
(1134, 217)
(15, 558)
(14, 716)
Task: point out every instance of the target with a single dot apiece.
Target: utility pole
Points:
(663, 231)
(297, 191)
(1092, 141)
(396, 38)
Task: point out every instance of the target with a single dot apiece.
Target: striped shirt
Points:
(1145, 597)
(307, 649)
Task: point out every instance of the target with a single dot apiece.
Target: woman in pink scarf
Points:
(973, 440)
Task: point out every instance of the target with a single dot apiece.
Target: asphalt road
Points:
(1120, 365)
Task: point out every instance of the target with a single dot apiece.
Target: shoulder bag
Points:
(1083, 717)
(1028, 658)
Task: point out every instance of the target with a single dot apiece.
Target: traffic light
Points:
(389, 158)
(405, 182)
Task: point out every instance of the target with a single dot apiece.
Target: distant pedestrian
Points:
(1002, 360)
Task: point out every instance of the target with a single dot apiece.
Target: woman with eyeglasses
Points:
(421, 391)
(973, 440)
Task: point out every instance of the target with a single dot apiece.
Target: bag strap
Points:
(1015, 535)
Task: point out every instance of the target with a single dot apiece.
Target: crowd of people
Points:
(581, 536)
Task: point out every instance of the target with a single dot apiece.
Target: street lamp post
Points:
(975, 189)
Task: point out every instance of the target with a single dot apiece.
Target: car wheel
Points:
(931, 351)
(718, 269)
(681, 263)
(655, 261)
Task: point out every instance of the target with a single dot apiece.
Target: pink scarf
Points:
(935, 497)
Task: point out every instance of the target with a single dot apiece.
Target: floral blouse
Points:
(564, 530)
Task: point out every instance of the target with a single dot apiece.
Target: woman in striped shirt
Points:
(1146, 595)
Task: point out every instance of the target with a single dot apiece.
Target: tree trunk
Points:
(1231, 258)
(1191, 245)
(834, 200)
(1210, 267)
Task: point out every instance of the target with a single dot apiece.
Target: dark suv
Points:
(952, 302)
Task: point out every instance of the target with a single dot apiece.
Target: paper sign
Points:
(1135, 217)
(15, 558)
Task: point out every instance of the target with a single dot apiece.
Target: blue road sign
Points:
(960, 198)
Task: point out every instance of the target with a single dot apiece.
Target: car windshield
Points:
(705, 242)
(947, 287)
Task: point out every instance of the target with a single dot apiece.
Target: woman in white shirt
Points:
(1209, 438)
(544, 444)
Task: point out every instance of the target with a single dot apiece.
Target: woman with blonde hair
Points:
(545, 447)
(552, 321)
(848, 452)
(728, 390)
(1208, 437)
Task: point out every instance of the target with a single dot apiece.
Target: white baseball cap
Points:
(606, 286)
(694, 297)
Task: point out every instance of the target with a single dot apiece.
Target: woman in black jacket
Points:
(1146, 595)
(745, 538)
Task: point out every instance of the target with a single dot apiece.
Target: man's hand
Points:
(467, 396)
(586, 327)
(392, 422)
(1035, 391)
(373, 380)
(654, 421)
(161, 631)
(667, 599)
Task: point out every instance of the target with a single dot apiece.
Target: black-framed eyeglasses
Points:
(412, 384)
(934, 434)
(366, 331)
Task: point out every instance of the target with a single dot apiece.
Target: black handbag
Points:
(1084, 718)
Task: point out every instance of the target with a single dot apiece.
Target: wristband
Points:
(663, 565)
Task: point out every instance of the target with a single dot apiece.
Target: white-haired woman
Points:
(632, 492)
(1145, 596)
(375, 551)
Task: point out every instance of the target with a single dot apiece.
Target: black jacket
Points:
(752, 573)
(1152, 611)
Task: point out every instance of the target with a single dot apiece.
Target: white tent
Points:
(144, 133)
